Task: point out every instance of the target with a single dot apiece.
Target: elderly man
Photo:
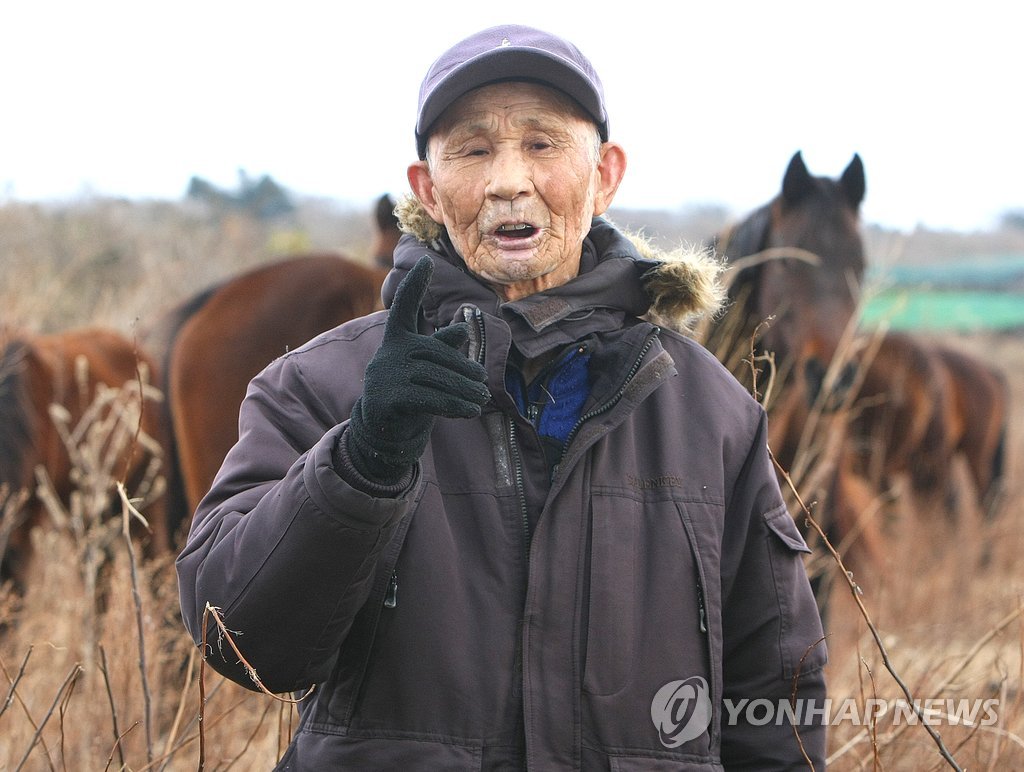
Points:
(510, 523)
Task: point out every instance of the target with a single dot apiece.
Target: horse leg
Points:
(995, 490)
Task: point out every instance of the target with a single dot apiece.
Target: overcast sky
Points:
(710, 99)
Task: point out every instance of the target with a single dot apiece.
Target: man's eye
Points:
(471, 149)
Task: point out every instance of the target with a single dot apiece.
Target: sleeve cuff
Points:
(341, 500)
(346, 471)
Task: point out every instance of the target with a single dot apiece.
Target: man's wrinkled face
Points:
(515, 171)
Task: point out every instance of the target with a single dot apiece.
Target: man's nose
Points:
(511, 175)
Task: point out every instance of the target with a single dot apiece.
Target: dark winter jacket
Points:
(496, 615)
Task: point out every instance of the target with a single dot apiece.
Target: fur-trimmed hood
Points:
(681, 287)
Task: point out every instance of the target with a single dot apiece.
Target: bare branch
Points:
(856, 592)
(113, 706)
(127, 511)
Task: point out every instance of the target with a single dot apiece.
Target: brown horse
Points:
(226, 335)
(795, 267)
(78, 406)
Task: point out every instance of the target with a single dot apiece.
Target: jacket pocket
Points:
(801, 641)
(781, 524)
(611, 626)
(645, 630)
(336, 700)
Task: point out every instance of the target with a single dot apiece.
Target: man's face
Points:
(515, 172)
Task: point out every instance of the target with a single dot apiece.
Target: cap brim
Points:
(511, 63)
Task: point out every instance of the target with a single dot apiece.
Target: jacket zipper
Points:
(702, 615)
(703, 619)
(611, 402)
(517, 478)
(474, 317)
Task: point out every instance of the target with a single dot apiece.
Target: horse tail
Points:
(18, 424)
(161, 343)
(16, 417)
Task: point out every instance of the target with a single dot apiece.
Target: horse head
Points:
(798, 263)
(388, 232)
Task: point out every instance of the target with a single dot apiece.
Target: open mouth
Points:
(519, 230)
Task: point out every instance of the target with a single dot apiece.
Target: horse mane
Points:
(17, 422)
(726, 335)
(747, 237)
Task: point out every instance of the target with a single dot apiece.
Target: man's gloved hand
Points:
(411, 379)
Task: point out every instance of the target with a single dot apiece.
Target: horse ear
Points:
(798, 182)
(386, 219)
(852, 182)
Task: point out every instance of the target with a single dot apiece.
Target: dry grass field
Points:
(948, 611)
(96, 671)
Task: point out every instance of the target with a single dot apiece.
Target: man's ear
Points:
(423, 186)
(611, 169)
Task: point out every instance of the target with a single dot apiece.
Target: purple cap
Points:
(508, 52)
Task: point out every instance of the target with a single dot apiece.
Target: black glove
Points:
(411, 379)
